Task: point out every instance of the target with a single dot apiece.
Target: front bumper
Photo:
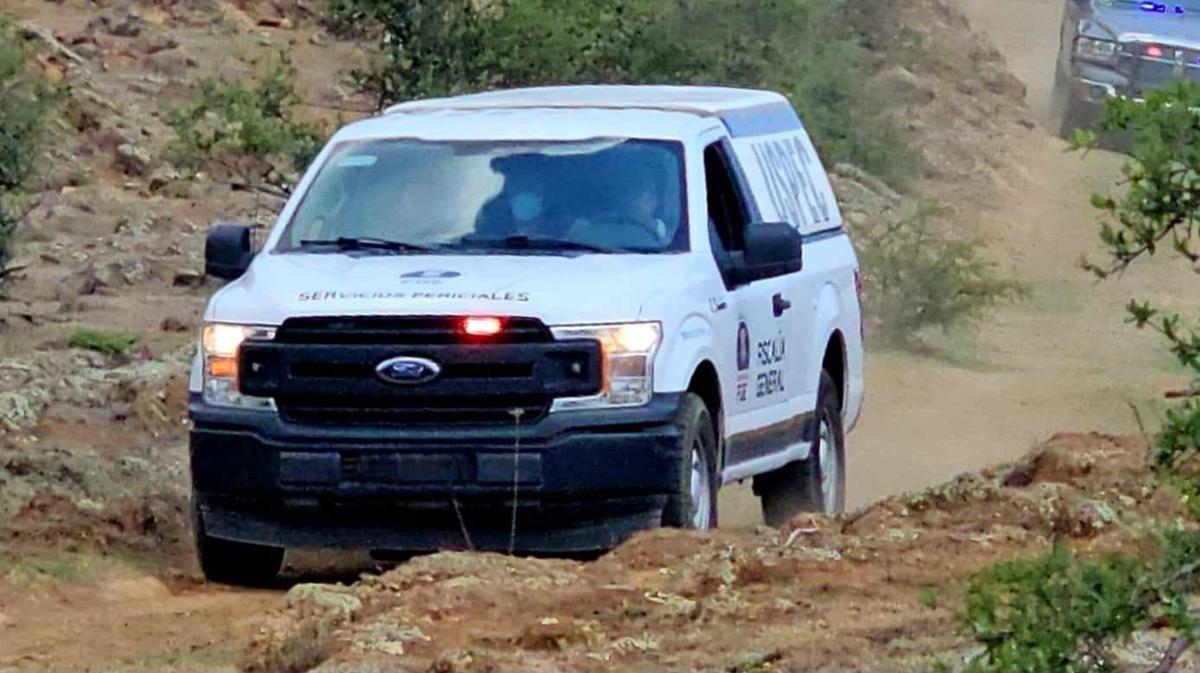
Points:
(1088, 98)
(579, 481)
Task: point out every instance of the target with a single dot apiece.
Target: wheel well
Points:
(834, 362)
(707, 385)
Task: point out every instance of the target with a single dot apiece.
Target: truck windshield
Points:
(411, 196)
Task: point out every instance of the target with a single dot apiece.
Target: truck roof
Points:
(705, 101)
(648, 111)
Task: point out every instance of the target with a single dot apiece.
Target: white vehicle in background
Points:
(535, 320)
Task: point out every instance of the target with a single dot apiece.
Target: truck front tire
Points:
(817, 483)
(693, 503)
(235, 563)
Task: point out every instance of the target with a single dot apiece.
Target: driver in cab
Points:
(634, 222)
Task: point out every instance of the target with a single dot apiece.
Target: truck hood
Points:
(1128, 23)
(557, 289)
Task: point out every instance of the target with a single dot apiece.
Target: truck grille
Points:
(321, 371)
(1148, 74)
(392, 411)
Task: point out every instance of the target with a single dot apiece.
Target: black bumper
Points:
(583, 480)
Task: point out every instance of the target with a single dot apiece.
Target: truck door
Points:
(755, 326)
(786, 174)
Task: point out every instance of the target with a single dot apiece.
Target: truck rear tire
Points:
(235, 563)
(693, 504)
(1074, 117)
(817, 483)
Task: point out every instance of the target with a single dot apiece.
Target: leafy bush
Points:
(917, 277)
(245, 131)
(1058, 612)
(1062, 613)
(800, 47)
(24, 100)
(929, 597)
(109, 343)
(1159, 209)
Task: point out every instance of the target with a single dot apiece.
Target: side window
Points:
(726, 209)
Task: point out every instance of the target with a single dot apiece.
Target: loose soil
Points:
(872, 591)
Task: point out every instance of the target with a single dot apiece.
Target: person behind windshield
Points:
(528, 209)
(641, 203)
(626, 216)
(521, 209)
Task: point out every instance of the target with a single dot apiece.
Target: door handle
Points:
(779, 305)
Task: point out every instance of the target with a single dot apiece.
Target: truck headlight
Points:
(1091, 49)
(221, 344)
(628, 369)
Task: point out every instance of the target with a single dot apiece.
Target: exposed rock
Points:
(119, 24)
(109, 275)
(386, 639)
(902, 85)
(282, 23)
(132, 160)
(339, 601)
(1005, 84)
(174, 325)
(865, 200)
(188, 278)
(79, 380)
(83, 283)
(155, 45)
(161, 177)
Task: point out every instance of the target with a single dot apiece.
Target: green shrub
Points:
(1054, 613)
(245, 131)
(1159, 209)
(24, 100)
(917, 277)
(1062, 613)
(803, 48)
(108, 343)
(929, 597)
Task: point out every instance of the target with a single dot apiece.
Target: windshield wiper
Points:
(364, 243)
(539, 243)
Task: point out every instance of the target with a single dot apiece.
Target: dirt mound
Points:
(857, 591)
(156, 524)
(92, 446)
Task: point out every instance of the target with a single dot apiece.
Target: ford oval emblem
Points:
(408, 371)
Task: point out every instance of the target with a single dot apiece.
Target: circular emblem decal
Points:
(743, 347)
(432, 273)
(408, 371)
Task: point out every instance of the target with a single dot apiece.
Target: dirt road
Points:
(1061, 360)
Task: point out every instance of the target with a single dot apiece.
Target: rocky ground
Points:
(875, 590)
(113, 241)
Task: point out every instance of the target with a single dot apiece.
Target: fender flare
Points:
(692, 345)
(828, 315)
(196, 374)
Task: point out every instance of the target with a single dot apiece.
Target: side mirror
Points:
(772, 249)
(228, 251)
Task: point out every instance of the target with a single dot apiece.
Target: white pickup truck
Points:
(535, 320)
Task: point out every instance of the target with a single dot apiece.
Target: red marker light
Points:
(1154, 51)
(482, 326)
